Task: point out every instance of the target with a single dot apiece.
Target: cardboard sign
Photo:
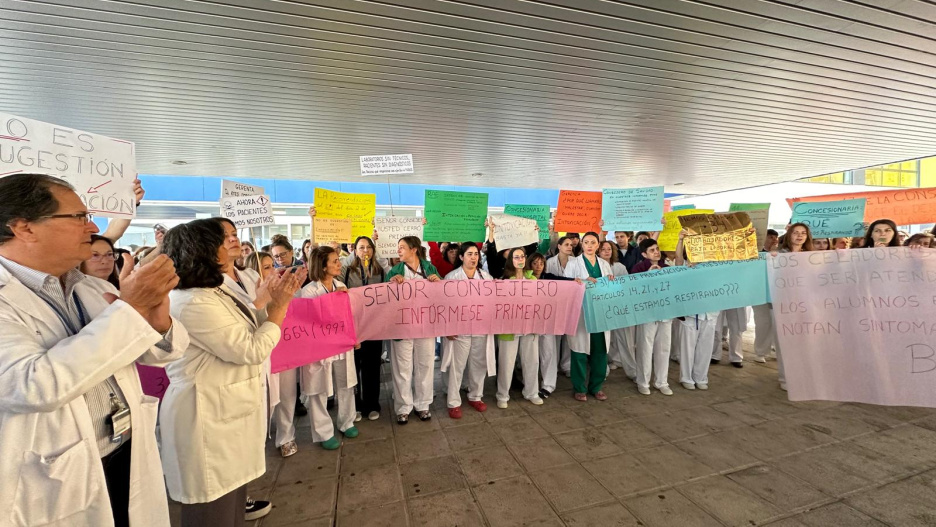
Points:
(359, 208)
(831, 219)
(514, 231)
(101, 169)
(387, 164)
(669, 237)
(234, 189)
(633, 209)
(578, 211)
(248, 211)
(719, 237)
(327, 230)
(857, 325)
(906, 207)
(314, 329)
(420, 308)
(391, 228)
(673, 292)
(455, 216)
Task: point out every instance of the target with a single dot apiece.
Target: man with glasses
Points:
(77, 442)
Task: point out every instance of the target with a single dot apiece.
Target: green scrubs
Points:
(597, 357)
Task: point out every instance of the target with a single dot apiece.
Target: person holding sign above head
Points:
(653, 338)
(334, 376)
(212, 422)
(589, 350)
(358, 270)
(694, 337)
(412, 360)
(509, 345)
(471, 353)
(882, 233)
(557, 266)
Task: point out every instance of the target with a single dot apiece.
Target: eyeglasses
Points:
(283, 256)
(99, 257)
(85, 217)
(519, 257)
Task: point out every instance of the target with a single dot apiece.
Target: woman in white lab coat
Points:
(556, 265)
(212, 422)
(334, 375)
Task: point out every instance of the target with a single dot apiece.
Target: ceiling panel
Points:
(708, 95)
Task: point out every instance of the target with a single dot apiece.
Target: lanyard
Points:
(420, 272)
(64, 318)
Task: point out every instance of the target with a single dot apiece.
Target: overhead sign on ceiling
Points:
(388, 164)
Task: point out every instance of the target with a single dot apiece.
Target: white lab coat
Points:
(580, 342)
(554, 267)
(317, 377)
(448, 345)
(50, 466)
(211, 424)
(249, 278)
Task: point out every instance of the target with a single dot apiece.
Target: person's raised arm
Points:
(117, 227)
(679, 260)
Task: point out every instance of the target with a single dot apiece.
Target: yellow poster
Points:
(670, 235)
(329, 230)
(719, 237)
(359, 208)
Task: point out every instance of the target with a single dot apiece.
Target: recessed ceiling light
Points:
(676, 184)
(179, 162)
(477, 174)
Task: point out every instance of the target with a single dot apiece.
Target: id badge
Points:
(120, 425)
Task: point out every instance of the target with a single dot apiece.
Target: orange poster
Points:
(906, 207)
(578, 211)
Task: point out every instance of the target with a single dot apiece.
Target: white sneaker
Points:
(688, 385)
(357, 416)
(702, 386)
(567, 374)
(760, 360)
(783, 386)
(665, 390)
(613, 366)
(536, 399)
(644, 390)
(503, 404)
(373, 416)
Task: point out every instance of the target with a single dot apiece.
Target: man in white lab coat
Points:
(77, 442)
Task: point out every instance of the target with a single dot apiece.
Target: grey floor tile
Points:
(291, 502)
(837, 515)
(570, 487)
(728, 501)
(607, 515)
(588, 443)
(718, 451)
(431, 443)
(377, 429)
(370, 488)
(910, 443)
(840, 468)
(907, 502)
(743, 410)
(513, 502)
(673, 427)
(456, 508)
(778, 488)
(519, 428)
(540, 454)
(361, 455)
(631, 435)
(599, 413)
(669, 508)
(560, 420)
(488, 464)
(389, 515)
(311, 461)
(471, 436)
(671, 465)
(622, 475)
(433, 475)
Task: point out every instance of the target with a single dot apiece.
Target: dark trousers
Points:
(367, 363)
(226, 511)
(117, 475)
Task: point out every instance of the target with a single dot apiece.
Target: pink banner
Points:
(314, 329)
(153, 380)
(419, 308)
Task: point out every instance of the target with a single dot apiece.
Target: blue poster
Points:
(674, 292)
(632, 209)
(831, 219)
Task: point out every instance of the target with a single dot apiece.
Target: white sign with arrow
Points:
(248, 211)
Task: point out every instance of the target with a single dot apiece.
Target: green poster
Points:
(738, 207)
(540, 213)
(455, 216)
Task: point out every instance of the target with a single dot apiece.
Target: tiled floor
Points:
(737, 454)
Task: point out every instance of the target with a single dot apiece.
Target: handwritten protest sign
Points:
(719, 237)
(829, 219)
(633, 209)
(455, 216)
(234, 189)
(419, 308)
(759, 222)
(329, 230)
(314, 329)
(359, 208)
(540, 213)
(387, 164)
(391, 228)
(102, 169)
(153, 380)
(673, 292)
(669, 237)
(742, 207)
(857, 325)
(578, 211)
(514, 231)
(248, 211)
(905, 207)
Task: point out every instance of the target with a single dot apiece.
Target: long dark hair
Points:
(357, 264)
(318, 262)
(114, 276)
(510, 270)
(220, 219)
(193, 249)
(869, 239)
(533, 258)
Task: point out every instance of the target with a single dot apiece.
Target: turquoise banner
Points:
(674, 292)
(831, 219)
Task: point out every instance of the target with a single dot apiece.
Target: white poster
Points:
(391, 228)
(387, 164)
(101, 169)
(759, 222)
(233, 188)
(248, 211)
(514, 231)
(857, 325)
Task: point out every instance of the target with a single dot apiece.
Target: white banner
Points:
(248, 211)
(514, 231)
(388, 164)
(232, 188)
(101, 169)
(857, 325)
(391, 228)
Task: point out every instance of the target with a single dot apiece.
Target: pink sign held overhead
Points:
(419, 308)
(314, 329)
